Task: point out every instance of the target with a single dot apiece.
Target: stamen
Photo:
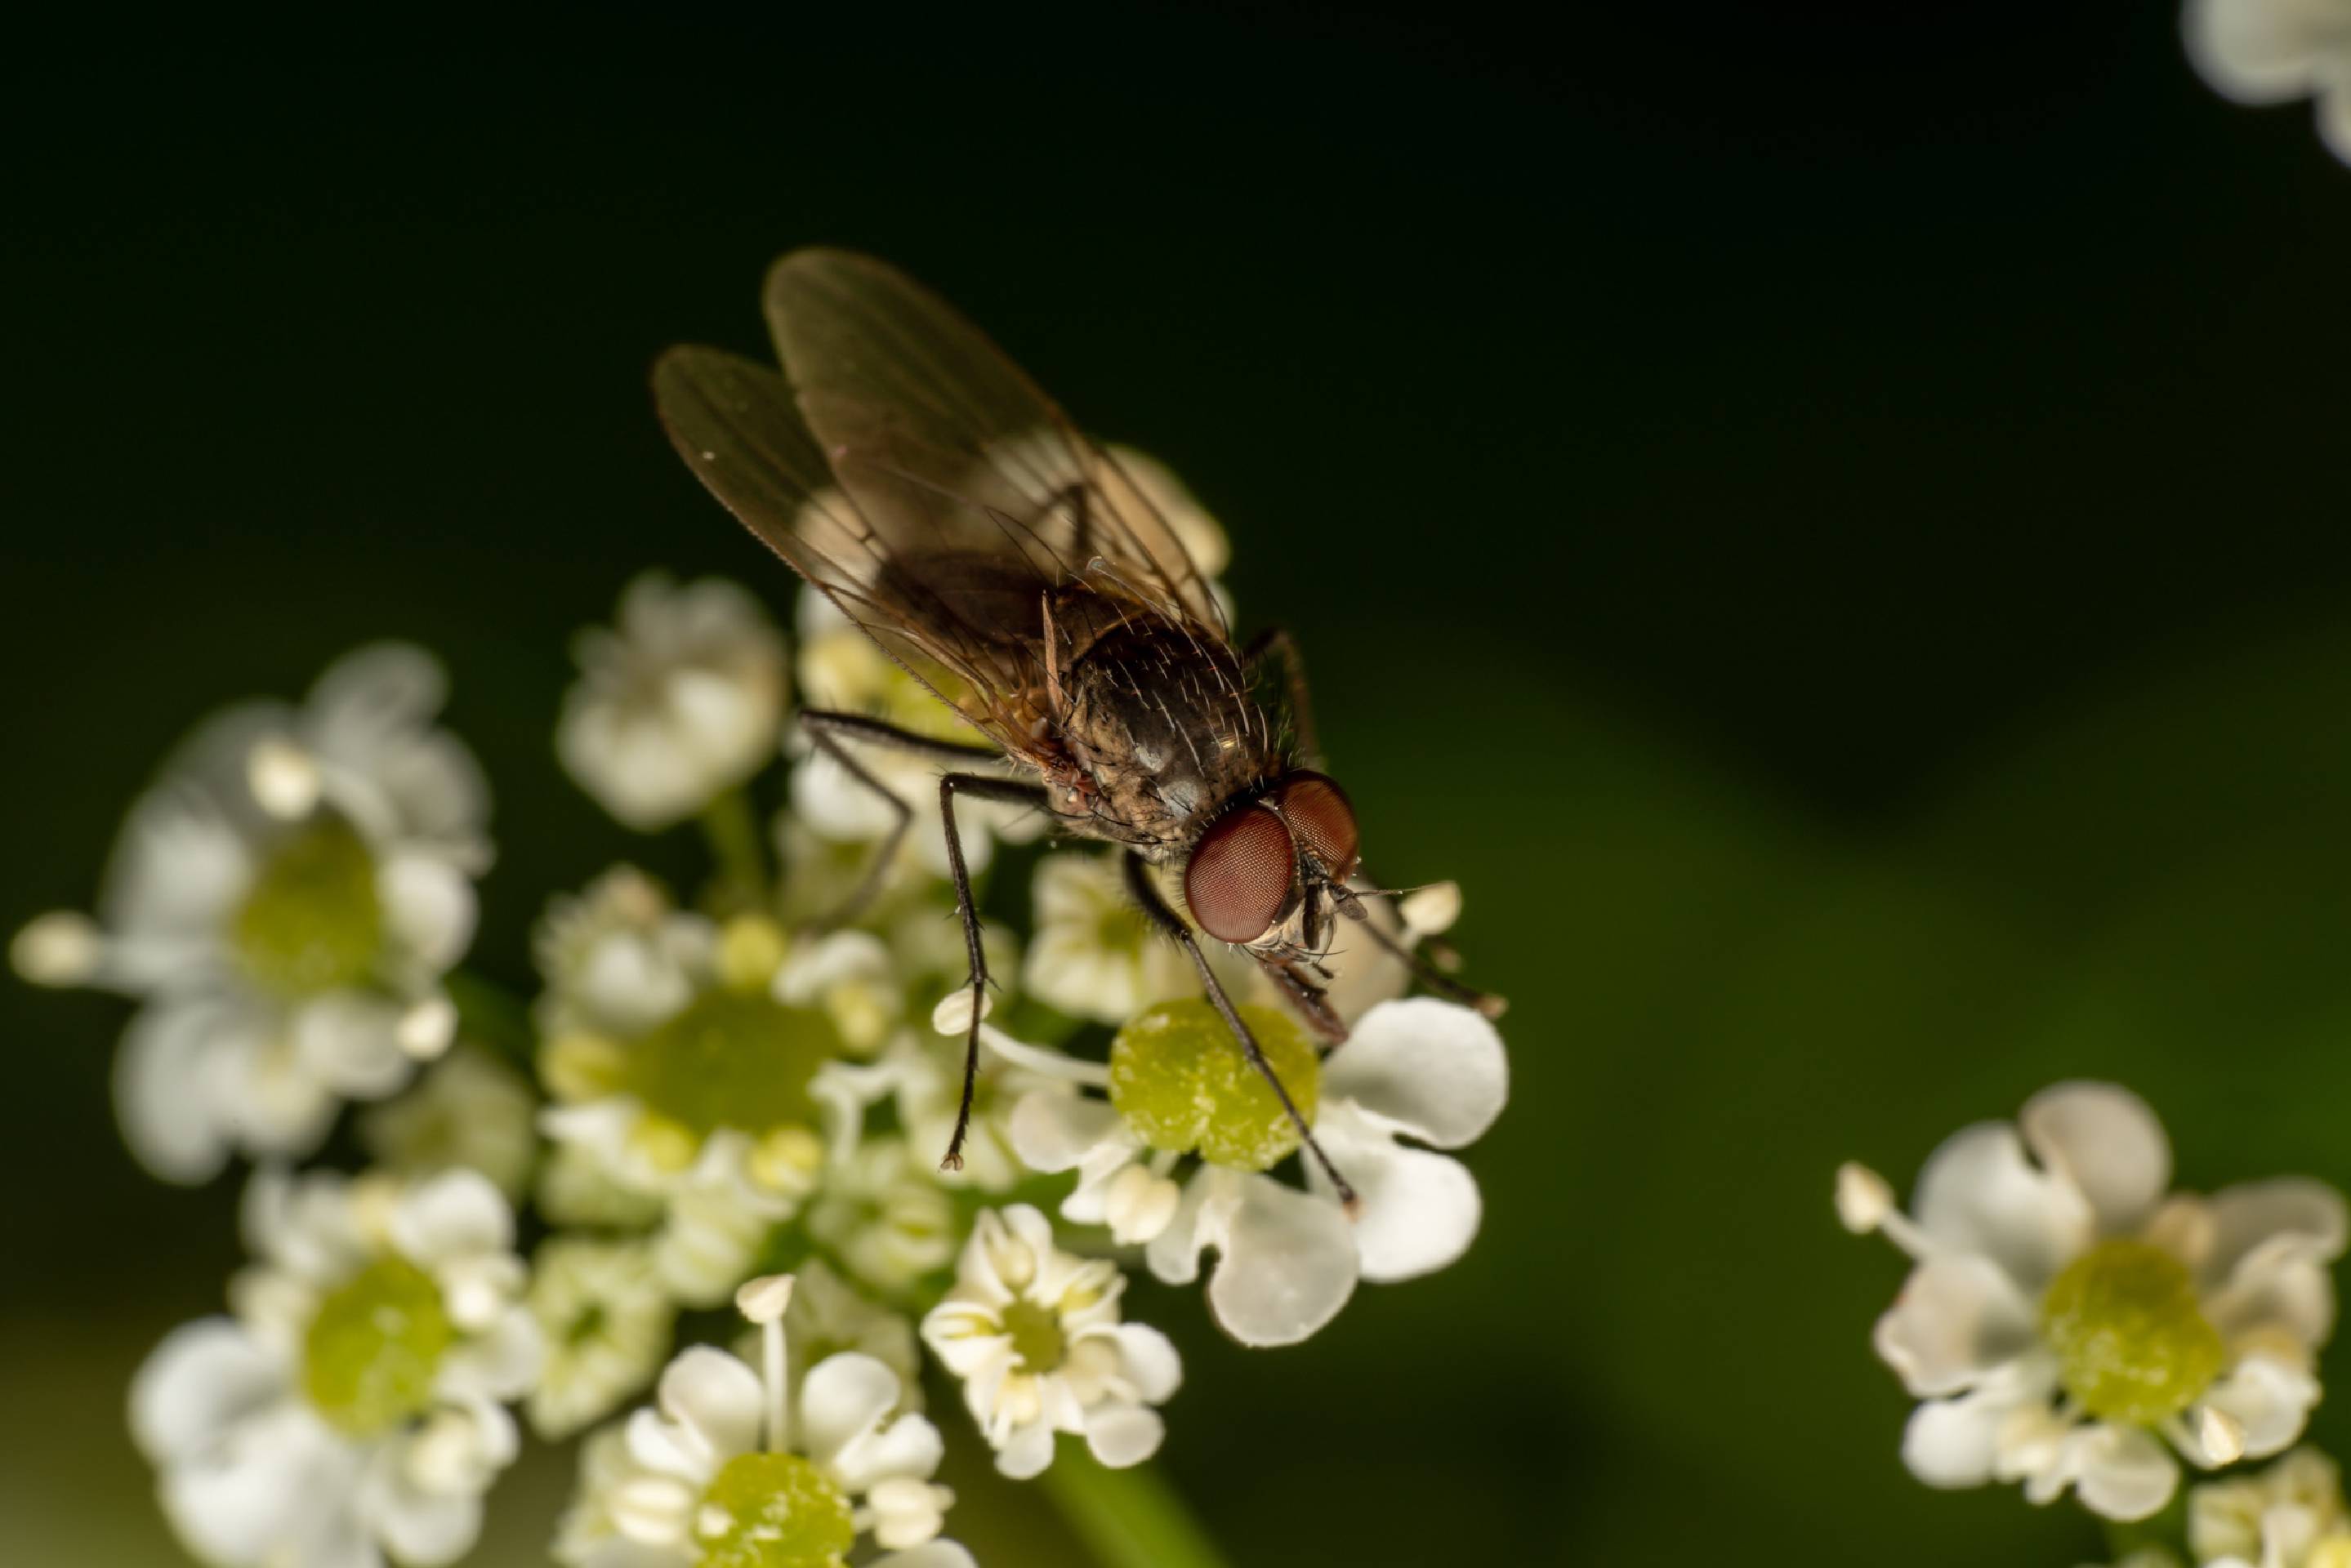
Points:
(283, 778)
(61, 948)
(952, 1017)
(1428, 911)
(1864, 1202)
(763, 1302)
(426, 1029)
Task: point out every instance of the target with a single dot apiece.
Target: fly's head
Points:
(1270, 870)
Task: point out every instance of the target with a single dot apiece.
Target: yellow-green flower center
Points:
(370, 1356)
(1179, 1079)
(732, 1059)
(311, 921)
(774, 1510)
(1037, 1337)
(2131, 1342)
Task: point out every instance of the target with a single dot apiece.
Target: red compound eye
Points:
(1240, 876)
(1318, 812)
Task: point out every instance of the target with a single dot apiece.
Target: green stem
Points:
(732, 833)
(1129, 1517)
(489, 1014)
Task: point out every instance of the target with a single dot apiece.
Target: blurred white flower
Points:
(2291, 1515)
(469, 1112)
(2268, 51)
(1095, 954)
(2064, 1313)
(285, 899)
(737, 1467)
(885, 1215)
(678, 1072)
(681, 703)
(351, 1409)
(828, 1316)
(606, 1322)
(1422, 1069)
(1034, 1333)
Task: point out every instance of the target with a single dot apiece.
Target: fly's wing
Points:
(737, 427)
(979, 492)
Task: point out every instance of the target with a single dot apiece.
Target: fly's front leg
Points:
(1275, 642)
(1146, 893)
(979, 787)
(827, 729)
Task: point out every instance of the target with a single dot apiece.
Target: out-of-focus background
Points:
(1834, 529)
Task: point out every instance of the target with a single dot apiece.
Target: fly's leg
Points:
(1275, 642)
(1306, 1000)
(979, 787)
(1146, 893)
(1351, 904)
(827, 730)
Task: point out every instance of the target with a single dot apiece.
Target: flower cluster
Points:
(2071, 1322)
(729, 1099)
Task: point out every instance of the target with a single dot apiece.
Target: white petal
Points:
(1435, 1069)
(204, 1378)
(843, 1398)
(2106, 1142)
(2257, 1223)
(281, 1485)
(423, 1528)
(457, 1214)
(2270, 1399)
(1956, 1442)
(1152, 1364)
(1054, 1132)
(930, 1555)
(1289, 1266)
(1419, 1210)
(1174, 1255)
(908, 1448)
(1029, 1452)
(1123, 1435)
(502, 1364)
(429, 906)
(162, 1093)
(717, 1397)
(2123, 1473)
(1958, 1317)
(1979, 1194)
(349, 1041)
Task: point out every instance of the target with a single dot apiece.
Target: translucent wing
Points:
(737, 427)
(952, 455)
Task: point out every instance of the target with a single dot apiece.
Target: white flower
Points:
(2064, 1313)
(468, 1112)
(841, 669)
(1421, 1068)
(731, 1457)
(678, 1072)
(1095, 954)
(2267, 51)
(606, 1321)
(1034, 1333)
(351, 1409)
(2289, 1516)
(680, 704)
(286, 899)
(885, 1215)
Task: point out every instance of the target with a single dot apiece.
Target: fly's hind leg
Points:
(979, 787)
(827, 730)
(1146, 893)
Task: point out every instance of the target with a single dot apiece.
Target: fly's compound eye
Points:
(1316, 811)
(1240, 876)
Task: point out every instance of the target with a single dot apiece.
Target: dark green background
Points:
(1831, 527)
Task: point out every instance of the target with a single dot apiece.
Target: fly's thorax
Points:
(1162, 734)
